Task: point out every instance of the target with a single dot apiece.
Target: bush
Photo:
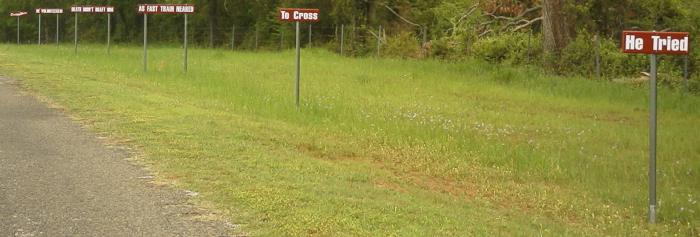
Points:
(578, 58)
(403, 45)
(514, 48)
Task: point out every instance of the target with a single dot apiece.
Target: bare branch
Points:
(401, 17)
(471, 10)
(527, 23)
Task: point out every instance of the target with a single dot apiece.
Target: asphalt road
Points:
(56, 179)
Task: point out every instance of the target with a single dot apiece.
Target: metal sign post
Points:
(145, 42)
(39, 29)
(185, 37)
(42, 11)
(298, 57)
(146, 9)
(58, 27)
(654, 43)
(652, 140)
(75, 34)
(297, 16)
(18, 15)
(109, 32)
(94, 10)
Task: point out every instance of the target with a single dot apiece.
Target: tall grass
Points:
(382, 146)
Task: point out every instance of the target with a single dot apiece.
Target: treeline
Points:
(563, 36)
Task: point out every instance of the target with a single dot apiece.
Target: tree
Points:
(555, 28)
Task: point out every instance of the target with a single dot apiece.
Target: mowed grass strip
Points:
(384, 147)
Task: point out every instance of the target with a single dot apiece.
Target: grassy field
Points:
(384, 147)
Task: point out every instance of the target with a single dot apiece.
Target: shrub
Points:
(403, 45)
(514, 48)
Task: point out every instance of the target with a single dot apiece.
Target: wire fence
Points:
(344, 39)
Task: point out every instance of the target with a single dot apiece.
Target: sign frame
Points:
(173, 9)
(650, 42)
(93, 10)
(18, 14)
(309, 15)
(57, 11)
(304, 14)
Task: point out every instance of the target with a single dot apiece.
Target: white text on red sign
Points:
(92, 9)
(166, 8)
(18, 13)
(49, 11)
(299, 15)
(646, 42)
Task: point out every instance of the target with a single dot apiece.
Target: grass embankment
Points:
(385, 147)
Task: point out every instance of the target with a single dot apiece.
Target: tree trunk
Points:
(554, 26)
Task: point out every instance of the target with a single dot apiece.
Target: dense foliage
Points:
(507, 31)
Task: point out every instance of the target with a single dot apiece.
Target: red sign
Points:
(18, 13)
(49, 11)
(92, 9)
(166, 8)
(648, 42)
(299, 15)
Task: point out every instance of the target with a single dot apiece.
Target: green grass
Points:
(385, 147)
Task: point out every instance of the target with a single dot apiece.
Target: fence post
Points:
(352, 36)
(309, 35)
(685, 73)
(379, 40)
(211, 35)
(597, 56)
(233, 36)
(256, 37)
(529, 46)
(342, 39)
(281, 37)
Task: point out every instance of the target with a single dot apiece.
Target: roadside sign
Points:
(42, 11)
(94, 10)
(166, 8)
(653, 43)
(298, 15)
(49, 11)
(147, 9)
(646, 42)
(18, 15)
